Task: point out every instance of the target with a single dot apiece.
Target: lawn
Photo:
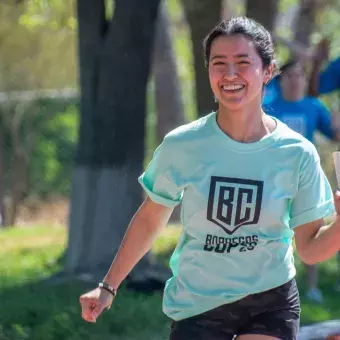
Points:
(34, 309)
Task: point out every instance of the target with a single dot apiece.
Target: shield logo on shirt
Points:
(234, 202)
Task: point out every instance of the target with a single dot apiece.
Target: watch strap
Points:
(107, 287)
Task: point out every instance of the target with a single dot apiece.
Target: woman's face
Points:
(293, 82)
(236, 71)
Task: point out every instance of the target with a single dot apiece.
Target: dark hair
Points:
(260, 37)
(290, 63)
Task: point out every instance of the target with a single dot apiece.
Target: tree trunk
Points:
(305, 21)
(168, 96)
(263, 11)
(18, 185)
(202, 16)
(114, 67)
(19, 165)
(169, 104)
(2, 175)
(232, 8)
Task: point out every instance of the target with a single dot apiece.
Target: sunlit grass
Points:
(29, 253)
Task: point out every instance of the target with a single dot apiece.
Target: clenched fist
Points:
(94, 302)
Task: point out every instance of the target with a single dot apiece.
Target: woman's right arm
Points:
(138, 240)
(143, 230)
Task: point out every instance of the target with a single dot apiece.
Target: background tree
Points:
(306, 23)
(115, 57)
(168, 97)
(29, 64)
(2, 174)
(202, 16)
(263, 11)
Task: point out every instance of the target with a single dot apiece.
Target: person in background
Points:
(321, 81)
(272, 90)
(305, 115)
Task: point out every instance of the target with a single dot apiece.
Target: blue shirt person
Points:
(325, 82)
(305, 116)
(285, 99)
(321, 81)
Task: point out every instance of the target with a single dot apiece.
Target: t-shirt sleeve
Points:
(159, 178)
(329, 79)
(314, 197)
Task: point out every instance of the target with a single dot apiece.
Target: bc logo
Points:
(234, 202)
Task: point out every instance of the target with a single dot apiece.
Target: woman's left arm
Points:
(316, 242)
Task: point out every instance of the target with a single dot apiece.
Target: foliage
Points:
(54, 14)
(53, 125)
(35, 56)
(52, 160)
(184, 57)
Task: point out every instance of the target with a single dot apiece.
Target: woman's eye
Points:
(243, 62)
(219, 63)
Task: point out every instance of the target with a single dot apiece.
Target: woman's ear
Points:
(268, 73)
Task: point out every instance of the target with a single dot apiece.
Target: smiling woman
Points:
(240, 58)
(236, 76)
(247, 184)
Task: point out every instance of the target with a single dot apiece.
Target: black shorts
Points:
(275, 312)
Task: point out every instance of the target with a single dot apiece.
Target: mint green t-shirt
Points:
(240, 205)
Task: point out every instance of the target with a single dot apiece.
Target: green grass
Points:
(34, 309)
(328, 275)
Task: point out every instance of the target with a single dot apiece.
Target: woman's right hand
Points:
(94, 302)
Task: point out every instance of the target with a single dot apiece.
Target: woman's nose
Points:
(230, 71)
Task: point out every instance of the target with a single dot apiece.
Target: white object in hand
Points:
(336, 161)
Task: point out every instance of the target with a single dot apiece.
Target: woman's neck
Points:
(243, 126)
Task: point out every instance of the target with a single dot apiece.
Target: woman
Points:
(247, 184)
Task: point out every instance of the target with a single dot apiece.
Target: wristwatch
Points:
(107, 287)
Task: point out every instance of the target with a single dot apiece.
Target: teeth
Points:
(232, 87)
